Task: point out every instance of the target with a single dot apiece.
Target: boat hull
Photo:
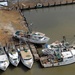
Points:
(27, 63)
(4, 65)
(24, 39)
(14, 62)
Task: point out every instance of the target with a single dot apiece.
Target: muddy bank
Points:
(9, 22)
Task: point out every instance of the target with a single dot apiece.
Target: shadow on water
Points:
(1, 72)
(11, 67)
(38, 64)
(24, 68)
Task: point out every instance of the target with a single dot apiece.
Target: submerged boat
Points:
(4, 62)
(34, 37)
(57, 55)
(13, 55)
(26, 56)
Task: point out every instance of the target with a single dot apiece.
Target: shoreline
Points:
(10, 20)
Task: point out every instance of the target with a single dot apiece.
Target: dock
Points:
(34, 52)
(30, 4)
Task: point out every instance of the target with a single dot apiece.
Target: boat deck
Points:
(25, 52)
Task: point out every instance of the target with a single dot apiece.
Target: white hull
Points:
(5, 64)
(38, 38)
(26, 56)
(27, 63)
(67, 62)
(4, 67)
(13, 57)
(58, 55)
(14, 62)
(3, 4)
(36, 41)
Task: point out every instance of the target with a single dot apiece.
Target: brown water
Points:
(54, 22)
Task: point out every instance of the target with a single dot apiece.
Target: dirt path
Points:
(9, 22)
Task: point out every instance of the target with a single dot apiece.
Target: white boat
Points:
(34, 37)
(58, 55)
(4, 62)
(39, 5)
(3, 3)
(26, 56)
(13, 55)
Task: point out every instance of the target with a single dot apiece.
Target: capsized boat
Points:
(26, 56)
(34, 37)
(4, 62)
(13, 55)
(58, 54)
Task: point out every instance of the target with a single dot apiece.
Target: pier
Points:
(41, 3)
(34, 52)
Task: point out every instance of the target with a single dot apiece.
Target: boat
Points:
(57, 54)
(26, 56)
(3, 3)
(39, 5)
(13, 55)
(34, 37)
(4, 62)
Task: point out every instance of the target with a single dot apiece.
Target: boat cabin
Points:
(37, 35)
(3, 3)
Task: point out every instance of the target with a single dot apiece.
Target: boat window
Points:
(27, 59)
(15, 59)
(70, 57)
(40, 37)
(2, 61)
(17, 32)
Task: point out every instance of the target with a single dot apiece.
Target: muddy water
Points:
(55, 22)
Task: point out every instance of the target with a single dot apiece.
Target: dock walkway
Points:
(34, 52)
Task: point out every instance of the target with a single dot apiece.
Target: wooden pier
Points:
(34, 52)
(45, 3)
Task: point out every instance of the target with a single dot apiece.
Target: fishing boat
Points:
(13, 55)
(4, 62)
(26, 56)
(57, 55)
(34, 37)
